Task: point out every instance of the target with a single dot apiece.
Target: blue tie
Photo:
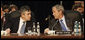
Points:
(22, 28)
(62, 25)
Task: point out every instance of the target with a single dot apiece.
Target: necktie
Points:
(62, 25)
(22, 28)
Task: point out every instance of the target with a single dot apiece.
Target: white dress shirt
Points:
(20, 25)
(63, 18)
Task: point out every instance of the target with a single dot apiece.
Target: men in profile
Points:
(62, 21)
(22, 23)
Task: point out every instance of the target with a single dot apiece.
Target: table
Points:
(42, 36)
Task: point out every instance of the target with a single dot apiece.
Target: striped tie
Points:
(23, 28)
(62, 25)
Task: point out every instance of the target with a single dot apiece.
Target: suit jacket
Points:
(3, 22)
(70, 18)
(15, 14)
(14, 25)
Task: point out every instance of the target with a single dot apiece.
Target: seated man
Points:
(62, 21)
(22, 23)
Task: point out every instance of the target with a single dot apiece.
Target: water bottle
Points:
(38, 28)
(79, 29)
(76, 28)
(34, 30)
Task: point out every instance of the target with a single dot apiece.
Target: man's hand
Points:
(46, 30)
(8, 30)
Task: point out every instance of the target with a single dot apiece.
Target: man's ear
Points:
(22, 14)
(60, 11)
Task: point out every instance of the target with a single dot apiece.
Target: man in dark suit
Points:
(62, 21)
(20, 24)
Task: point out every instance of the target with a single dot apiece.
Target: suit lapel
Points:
(17, 24)
(28, 25)
(57, 26)
(68, 22)
(26, 28)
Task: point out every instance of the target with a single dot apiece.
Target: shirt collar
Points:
(22, 20)
(62, 18)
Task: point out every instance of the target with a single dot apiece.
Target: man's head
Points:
(81, 3)
(13, 7)
(6, 8)
(77, 7)
(25, 13)
(57, 11)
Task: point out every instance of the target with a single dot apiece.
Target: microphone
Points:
(47, 18)
(54, 24)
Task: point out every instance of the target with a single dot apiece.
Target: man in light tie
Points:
(20, 24)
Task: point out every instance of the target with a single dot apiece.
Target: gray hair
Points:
(24, 8)
(59, 7)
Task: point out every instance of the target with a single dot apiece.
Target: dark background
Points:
(41, 9)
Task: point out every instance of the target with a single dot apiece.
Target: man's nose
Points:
(30, 16)
(53, 14)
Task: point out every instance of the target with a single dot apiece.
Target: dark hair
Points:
(5, 7)
(13, 6)
(24, 8)
(76, 6)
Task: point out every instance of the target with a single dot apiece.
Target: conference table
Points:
(41, 36)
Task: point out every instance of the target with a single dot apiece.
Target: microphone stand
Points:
(49, 17)
(54, 24)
